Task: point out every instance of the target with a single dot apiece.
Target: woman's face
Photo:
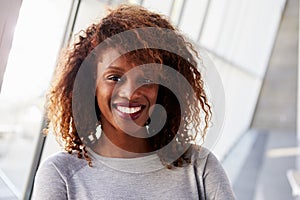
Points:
(125, 93)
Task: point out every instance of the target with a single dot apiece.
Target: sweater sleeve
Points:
(49, 182)
(215, 180)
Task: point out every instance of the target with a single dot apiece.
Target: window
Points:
(37, 39)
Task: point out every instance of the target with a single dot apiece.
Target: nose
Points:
(128, 89)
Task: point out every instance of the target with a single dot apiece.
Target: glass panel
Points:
(192, 17)
(243, 32)
(163, 7)
(89, 11)
(38, 36)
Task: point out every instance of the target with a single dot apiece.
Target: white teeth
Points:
(129, 110)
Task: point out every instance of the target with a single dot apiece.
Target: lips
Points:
(129, 110)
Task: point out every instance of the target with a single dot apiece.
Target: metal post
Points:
(36, 162)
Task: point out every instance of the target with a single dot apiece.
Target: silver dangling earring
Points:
(148, 122)
(98, 131)
(92, 138)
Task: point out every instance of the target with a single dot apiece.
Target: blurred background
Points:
(252, 44)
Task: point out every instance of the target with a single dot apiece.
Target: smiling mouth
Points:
(129, 111)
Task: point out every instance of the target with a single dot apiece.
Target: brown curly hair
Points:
(73, 123)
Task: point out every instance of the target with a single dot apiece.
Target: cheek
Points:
(100, 101)
(152, 95)
(103, 94)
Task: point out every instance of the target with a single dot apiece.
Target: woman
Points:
(127, 104)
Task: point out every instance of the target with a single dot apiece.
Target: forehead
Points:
(137, 59)
(108, 56)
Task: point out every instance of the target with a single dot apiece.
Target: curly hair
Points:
(68, 118)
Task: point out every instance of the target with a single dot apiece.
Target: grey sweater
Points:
(64, 176)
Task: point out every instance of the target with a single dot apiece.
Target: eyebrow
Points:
(113, 67)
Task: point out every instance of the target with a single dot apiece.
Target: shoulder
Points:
(201, 155)
(205, 161)
(62, 164)
(211, 174)
(53, 174)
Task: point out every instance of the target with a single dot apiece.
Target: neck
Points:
(121, 145)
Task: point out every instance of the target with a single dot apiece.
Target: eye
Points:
(147, 81)
(115, 78)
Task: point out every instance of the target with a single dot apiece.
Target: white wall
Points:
(243, 31)
(241, 94)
